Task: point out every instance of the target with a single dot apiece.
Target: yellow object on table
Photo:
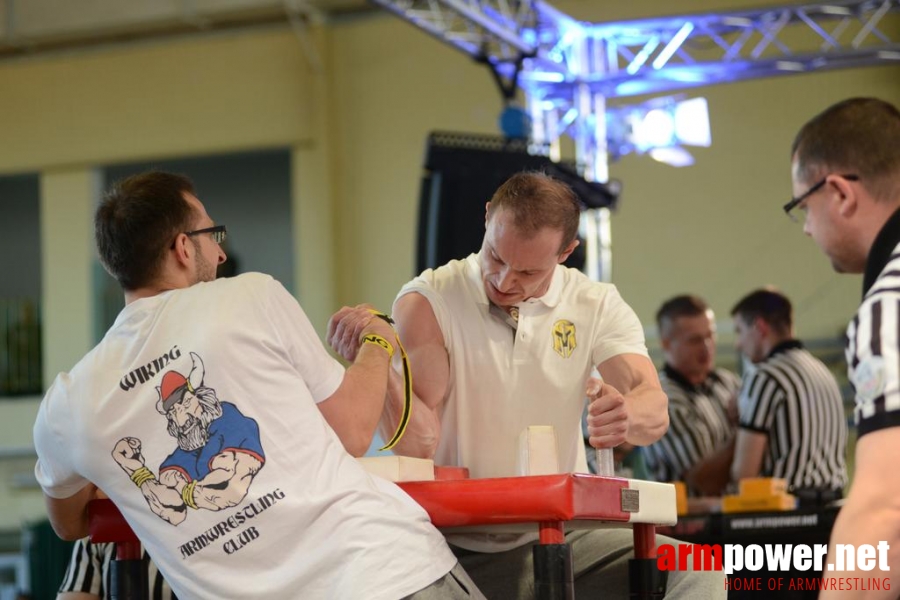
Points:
(759, 494)
(681, 499)
(757, 487)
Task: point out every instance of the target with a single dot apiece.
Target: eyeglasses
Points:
(815, 188)
(218, 232)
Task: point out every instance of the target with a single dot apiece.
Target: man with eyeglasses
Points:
(846, 181)
(213, 417)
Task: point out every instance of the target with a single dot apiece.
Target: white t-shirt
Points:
(306, 520)
(502, 381)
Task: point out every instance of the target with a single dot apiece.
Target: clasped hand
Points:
(348, 325)
(607, 418)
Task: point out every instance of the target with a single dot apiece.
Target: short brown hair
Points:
(136, 222)
(859, 136)
(685, 305)
(767, 304)
(536, 201)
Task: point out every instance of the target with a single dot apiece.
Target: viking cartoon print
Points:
(217, 457)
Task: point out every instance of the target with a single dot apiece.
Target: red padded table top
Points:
(530, 499)
(492, 501)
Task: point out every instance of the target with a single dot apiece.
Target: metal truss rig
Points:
(569, 68)
(653, 55)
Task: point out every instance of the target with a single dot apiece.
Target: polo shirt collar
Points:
(473, 272)
(676, 376)
(551, 298)
(784, 347)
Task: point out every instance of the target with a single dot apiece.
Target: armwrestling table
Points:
(552, 503)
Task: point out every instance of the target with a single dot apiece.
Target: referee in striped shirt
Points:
(699, 444)
(88, 574)
(845, 175)
(792, 423)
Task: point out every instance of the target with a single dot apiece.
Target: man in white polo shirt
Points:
(507, 338)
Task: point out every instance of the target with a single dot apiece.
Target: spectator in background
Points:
(792, 423)
(699, 445)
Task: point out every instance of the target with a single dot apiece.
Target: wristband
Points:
(379, 341)
(187, 494)
(141, 476)
(386, 318)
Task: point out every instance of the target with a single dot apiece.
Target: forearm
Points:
(648, 414)
(749, 452)
(423, 430)
(864, 522)
(742, 469)
(221, 488)
(711, 475)
(354, 410)
(69, 516)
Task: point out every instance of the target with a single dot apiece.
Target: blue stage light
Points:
(659, 127)
(515, 123)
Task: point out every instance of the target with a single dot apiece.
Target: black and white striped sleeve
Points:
(758, 402)
(731, 386)
(677, 450)
(159, 587)
(88, 568)
(698, 424)
(873, 359)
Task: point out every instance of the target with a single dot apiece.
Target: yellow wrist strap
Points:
(187, 494)
(378, 341)
(141, 476)
(407, 387)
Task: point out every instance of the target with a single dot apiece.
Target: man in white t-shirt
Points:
(213, 417)
(507, 338)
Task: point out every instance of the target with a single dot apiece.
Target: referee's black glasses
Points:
(815, 188)
(218, 232)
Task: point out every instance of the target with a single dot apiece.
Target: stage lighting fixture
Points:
(659, 127)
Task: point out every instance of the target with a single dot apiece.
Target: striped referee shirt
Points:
(698, 422)
(89, 572)
(794, 399)
(873, 348)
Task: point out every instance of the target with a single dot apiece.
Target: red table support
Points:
(554, 502)
(128, 577)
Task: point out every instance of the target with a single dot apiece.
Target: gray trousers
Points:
(600, 558)
(455, 585)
